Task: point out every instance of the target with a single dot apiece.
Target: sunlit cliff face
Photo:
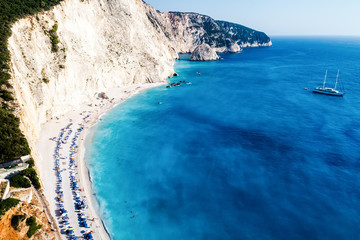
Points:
(102, 45)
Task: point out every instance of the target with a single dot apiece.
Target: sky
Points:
(278, 17)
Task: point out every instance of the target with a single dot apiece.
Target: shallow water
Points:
(245, 152)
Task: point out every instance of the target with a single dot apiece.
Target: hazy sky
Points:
(277, 17)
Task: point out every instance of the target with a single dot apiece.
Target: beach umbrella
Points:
(89, 236)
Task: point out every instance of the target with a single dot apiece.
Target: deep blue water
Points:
(244, 153)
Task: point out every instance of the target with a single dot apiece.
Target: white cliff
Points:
(105, 44)
(204, 52)
(102, 45)
(189, 30)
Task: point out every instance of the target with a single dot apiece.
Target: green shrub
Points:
(16, 220)
(36, 183)
(7, 204)
(29, 172)
(31, 221)
(19, 181)
(12, 142)
(31, 163)
(32, 175)
(54, 38)
(45, 80)
(33, 226)
(6, 95)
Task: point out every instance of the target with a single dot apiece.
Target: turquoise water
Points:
(245, 152)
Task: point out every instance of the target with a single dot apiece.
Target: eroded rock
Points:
(204, 52)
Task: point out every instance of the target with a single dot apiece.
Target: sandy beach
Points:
(77, 121)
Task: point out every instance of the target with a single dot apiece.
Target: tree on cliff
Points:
(12, 142)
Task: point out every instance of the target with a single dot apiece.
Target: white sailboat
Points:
(329, 91)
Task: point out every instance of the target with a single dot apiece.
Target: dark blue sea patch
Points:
(245, 152)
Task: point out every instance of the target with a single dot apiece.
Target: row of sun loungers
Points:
(79, 202)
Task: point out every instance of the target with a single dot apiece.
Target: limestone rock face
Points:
(186, 31)
(103, 44)
(204, 52)
(243, 36)
(34, 209)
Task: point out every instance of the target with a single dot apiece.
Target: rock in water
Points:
(204, 52)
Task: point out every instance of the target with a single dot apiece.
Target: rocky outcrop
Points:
(186, 31)
(204, 52)
(244, 36)
(32, 209)
(103, 95)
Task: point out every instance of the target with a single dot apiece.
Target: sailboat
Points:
(329, 91)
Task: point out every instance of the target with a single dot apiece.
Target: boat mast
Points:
(337, 77)
(325, 79)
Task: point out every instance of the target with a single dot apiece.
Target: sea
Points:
(246, 151)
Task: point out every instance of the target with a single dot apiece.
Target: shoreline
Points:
(96, 108)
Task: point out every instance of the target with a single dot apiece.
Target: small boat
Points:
(329, 91)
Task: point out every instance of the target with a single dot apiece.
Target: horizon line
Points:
(309, 35)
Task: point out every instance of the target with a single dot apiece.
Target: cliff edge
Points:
(67, 55)
(186, 31)
(62, 57)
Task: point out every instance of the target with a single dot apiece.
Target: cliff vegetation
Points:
(7, 204)
(25, 221)
(13, 144)
(54, 38)
(243, 35)
(189, 30)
